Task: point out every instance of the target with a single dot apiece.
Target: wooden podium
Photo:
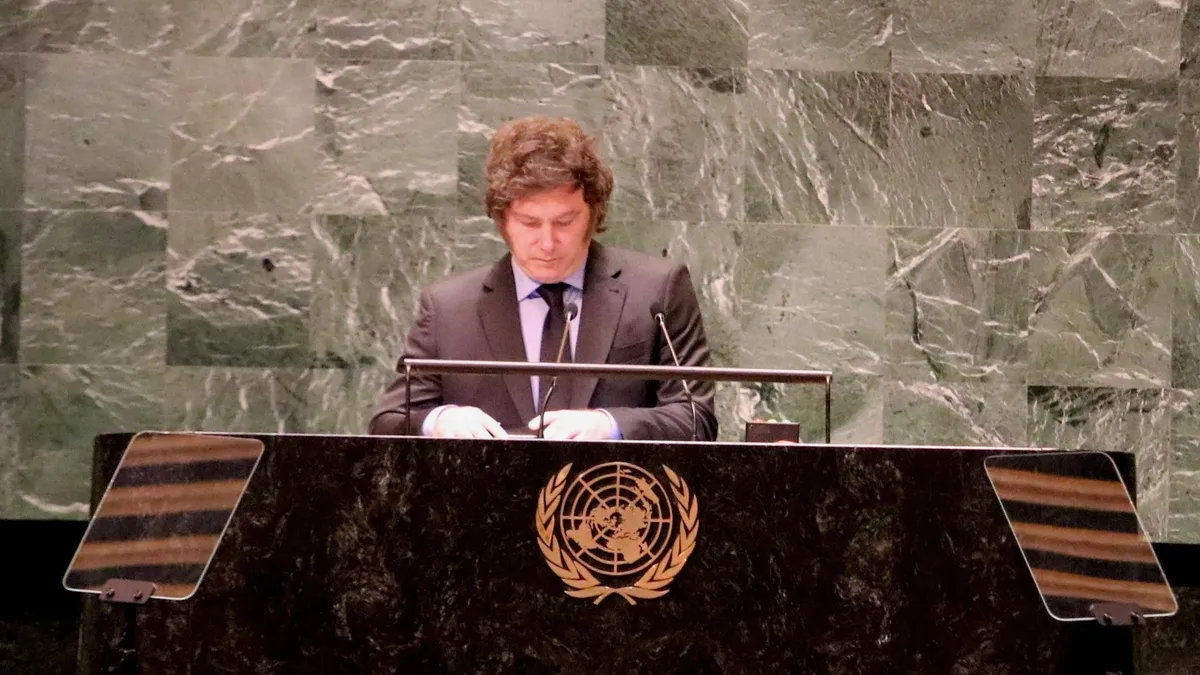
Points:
(409, 555)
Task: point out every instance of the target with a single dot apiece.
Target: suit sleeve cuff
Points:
(614, 430)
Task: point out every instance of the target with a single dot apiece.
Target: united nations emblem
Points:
(615, 530)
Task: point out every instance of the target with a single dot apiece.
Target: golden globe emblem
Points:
(616, 530)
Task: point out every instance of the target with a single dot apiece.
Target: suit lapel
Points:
(501, 321)
(603, 301)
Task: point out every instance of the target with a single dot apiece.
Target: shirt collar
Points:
(527, 286)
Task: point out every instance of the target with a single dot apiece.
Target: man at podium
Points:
(557, 288)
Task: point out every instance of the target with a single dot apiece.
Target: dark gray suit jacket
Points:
(474, 316)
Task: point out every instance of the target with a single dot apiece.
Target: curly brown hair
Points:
(532, 154)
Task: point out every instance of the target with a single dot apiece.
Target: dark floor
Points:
(39, 620)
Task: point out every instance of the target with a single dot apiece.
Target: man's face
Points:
(549, 232)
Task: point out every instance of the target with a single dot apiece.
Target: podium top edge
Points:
(631, 442)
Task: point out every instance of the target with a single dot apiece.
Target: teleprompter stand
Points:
(1084, 544)
(159, 524)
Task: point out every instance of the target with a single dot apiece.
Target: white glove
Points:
(582, 425)
(466, 422)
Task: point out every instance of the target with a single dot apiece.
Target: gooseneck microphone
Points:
(570, 311)
(657, 311)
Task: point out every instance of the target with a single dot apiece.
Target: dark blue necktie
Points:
(552, 335)
(556, 323)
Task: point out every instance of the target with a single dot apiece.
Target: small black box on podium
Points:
(772, 432)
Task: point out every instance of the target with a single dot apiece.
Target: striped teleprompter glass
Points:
(165, 510)
(1080, 534)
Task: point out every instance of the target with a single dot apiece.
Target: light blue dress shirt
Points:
(533, 309)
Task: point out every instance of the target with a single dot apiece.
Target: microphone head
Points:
(656, 308)
(570, 310)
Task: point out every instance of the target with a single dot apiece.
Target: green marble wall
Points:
(984, 217)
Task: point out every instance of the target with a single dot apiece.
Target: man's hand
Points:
(582, 425)
(466, 422)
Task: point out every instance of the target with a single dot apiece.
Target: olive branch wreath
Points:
(582, 583)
